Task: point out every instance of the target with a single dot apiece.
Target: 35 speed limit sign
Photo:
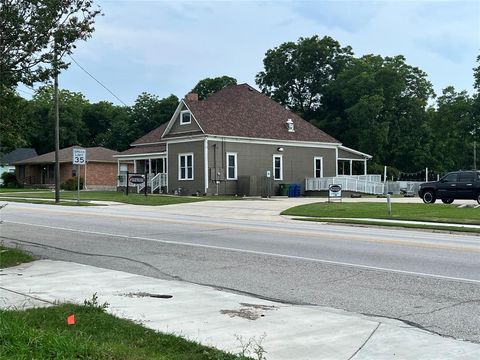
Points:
(79, 156)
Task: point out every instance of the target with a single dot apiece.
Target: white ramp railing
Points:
(348, 184)
(158, 181)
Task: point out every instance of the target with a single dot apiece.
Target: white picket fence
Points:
(360, 183)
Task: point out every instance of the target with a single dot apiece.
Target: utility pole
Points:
(57, 126)
(474, 155)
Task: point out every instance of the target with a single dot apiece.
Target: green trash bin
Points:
(283, 189)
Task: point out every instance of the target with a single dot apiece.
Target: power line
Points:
(26, 92)
(98, 81)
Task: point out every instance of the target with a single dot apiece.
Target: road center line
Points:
(254, 252)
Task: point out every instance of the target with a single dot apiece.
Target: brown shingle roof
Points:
(145, 149)
(151, 137)
(96, 154)
(242, 111)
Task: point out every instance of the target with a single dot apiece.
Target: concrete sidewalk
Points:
(218, 318)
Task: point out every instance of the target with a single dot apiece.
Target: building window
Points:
(74, 172)
(231, 166)
(185, 117)
(277, 167)
(185, 166)
(318, 167)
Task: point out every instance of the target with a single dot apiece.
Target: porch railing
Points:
(158, 181)
(348, 183)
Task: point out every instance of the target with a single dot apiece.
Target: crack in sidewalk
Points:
(365, 342)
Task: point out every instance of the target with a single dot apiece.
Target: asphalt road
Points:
(428, 279)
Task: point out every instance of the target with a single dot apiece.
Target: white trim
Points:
(276, 142)
(235, 176)
(281, 166)
(175, 114)
(205, 164)
(167, 164)
(351, 159)
(336, 161)
(347, 149)
(236, 139)
(141, 156)
(186, 167)
(181, 122)
(315, 158)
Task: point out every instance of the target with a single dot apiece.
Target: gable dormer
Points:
(183, 121)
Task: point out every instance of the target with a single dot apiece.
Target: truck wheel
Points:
(447, 201)
(429, 197)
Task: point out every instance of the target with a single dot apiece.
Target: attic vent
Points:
(290, 126)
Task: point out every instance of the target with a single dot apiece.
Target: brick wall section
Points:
(101, 174)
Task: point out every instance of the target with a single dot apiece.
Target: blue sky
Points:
(166, 47)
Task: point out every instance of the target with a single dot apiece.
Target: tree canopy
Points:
(32, 31)
(209, 86)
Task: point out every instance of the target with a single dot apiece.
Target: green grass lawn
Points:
(43, 333)
(414, 212)
(14, 190)
(11, 257)
(135, 199)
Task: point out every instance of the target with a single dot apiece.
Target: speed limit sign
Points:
(79, 156)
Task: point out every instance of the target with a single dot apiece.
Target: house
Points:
(8, 159)
(237, 141)
(99, 173)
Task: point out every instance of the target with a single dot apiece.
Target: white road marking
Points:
(215, 247)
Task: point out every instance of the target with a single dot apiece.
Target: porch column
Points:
(365, 166)
(351, 167)
(135, 166)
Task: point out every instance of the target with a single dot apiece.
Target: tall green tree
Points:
(73, 130)
(209, 86)
(149, 112)
(297, 74)
(378, 105)
(32, 31)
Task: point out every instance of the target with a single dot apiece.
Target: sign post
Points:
(334, 192)
(79, 158)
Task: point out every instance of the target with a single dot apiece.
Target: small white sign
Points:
(269, 174)
(335, 191)
(79, 156)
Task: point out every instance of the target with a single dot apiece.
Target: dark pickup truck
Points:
(454, 185)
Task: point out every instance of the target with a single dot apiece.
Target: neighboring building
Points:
(7, 160)
(99, 173)
(238, 141)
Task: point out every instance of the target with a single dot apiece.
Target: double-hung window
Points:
(185, 166)
(277, 167)
(318, 167)
(185, 117)
(231, 166)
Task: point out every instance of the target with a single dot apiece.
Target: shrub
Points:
(9, 180)
(71, 184)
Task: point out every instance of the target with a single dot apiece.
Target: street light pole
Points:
(57, 127)
(474, 155)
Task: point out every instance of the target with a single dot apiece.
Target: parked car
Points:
(454, 185)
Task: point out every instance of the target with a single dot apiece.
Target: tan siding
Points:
(257, 159)
(348, 155)
(178, 129)
(189, 187)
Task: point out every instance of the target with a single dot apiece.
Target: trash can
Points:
(283, 189)
(291, 190)
(297, 190)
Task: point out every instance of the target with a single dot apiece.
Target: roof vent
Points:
(290, 126)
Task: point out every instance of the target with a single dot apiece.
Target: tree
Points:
(208, 86)
(378, 105)
(296, 74)
(14, 121)
(149, 112)
(72, 128)
(32, 31)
